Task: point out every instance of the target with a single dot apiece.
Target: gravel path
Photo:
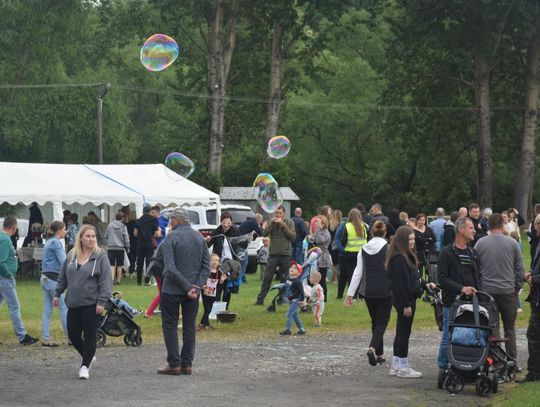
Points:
(317, 370)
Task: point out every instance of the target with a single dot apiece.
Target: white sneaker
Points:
(393, 371)
(409, 373)
(84, 373)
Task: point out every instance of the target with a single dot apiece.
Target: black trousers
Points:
(324, 273)
(345, 273)
(284, 263)
(222, 294)
(143, 258)
(82, 326)
(170, 311)
(533, 341)
(403, 332)
(207, 302)
(379, 312)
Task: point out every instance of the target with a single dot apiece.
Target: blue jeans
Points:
(243, 269)
(49, 291)
(292, 313)
(9, 294)
(442, 360)
(298, 252)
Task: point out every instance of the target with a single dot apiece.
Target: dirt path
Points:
(322, 370)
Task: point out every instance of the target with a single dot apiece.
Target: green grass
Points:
(522, 395)
(253, 321)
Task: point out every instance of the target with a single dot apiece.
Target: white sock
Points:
(395, 362)
(404, 363)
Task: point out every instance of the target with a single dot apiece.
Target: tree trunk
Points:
(524, 184)
(483, 130)
(220, 47)
(276, 78)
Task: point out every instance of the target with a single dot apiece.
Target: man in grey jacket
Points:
(501, 268)
(186, 268)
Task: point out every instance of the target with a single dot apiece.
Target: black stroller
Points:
(117, 322)
(434, 297)
(474, 353)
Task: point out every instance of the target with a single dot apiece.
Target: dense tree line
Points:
(411, 103)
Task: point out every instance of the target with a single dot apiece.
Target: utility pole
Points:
(101, 92)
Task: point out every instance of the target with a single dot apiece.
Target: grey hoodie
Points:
(117, 236)
(91, 284)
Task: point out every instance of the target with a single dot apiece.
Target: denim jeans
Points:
(442, 360)
(9, 294)
(298, 252)
(170, 308)
(292, 314)
(243, 269)
(49, 291)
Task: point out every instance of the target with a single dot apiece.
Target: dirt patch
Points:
(317, 370)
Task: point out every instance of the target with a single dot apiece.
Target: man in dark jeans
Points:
(146, 229)
(301, 233)
(183, 277)
(281, 233)
(533, 330)
(501, 268)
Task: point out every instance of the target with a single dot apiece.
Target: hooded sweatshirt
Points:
(89, 284)
(370, 273)
(117, 236)
(8, 259)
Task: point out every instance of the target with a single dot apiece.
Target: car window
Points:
(211, 217)
(240, 215)
(194, 218)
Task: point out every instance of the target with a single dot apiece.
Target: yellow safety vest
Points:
(354, 242)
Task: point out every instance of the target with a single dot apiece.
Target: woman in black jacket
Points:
(221, 246)
(406, 286)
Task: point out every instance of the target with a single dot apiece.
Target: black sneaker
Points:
(285, 332)
(28, 340)
(371, 358)
(259, 302)
(301, 332)
(529, 377)
(381, 360)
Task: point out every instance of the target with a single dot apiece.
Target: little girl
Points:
(317, 296)
(296, 297)
(209, 292)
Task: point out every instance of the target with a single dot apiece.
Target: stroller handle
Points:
(479, 294)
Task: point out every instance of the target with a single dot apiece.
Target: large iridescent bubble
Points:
(159, 52)
(268, 195)
(278, 147)
(180, 164)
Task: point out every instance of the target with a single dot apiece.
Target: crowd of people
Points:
(381, 259)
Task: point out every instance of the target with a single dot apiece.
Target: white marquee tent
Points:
(66, 184)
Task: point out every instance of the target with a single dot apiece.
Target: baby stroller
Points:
(281, 295)
(117, 322)
(474, 353)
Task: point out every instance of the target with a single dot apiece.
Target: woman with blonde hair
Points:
(354, 236)
(87, 277)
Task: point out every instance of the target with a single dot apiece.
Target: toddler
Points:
(262, 256)
(317, 296)
(295, 293)
(209, 292)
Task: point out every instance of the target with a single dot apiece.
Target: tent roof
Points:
(158, 184)
(70, 183)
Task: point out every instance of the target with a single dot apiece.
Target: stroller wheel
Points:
(495, 382)
(453, 383)
(483, 386)
(127, 339)
(101, 338)
(137, 340)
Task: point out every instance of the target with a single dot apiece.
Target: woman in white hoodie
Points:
(371, 276)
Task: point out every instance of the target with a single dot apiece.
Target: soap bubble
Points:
(159, 52)
(180, 164)
(278, 147)
(268, 195)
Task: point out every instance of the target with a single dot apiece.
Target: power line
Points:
(292, 101)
